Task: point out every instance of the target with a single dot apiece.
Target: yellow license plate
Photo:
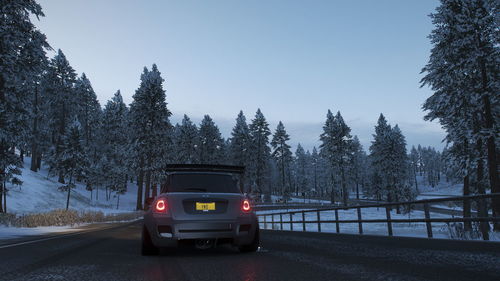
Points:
(205, 206)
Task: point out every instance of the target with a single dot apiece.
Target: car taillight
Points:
(161, 206)
(245, 206)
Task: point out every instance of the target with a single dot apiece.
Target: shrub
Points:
(64, 217)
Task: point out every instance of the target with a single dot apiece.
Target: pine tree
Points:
(211, 143)
(462, 71)
(336, 147)
(114, 140)
(150, 140)
(73, 157)
(89, 109)
(302, 163)
(186, 142)
(414, 156)
(358, 171)
(240, 146)
(282, 155)
(22, 57)
(259, 132)
(380, 161)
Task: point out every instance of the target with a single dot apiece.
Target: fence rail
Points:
(482, 217)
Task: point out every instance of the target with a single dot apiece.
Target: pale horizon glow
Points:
(292, 59)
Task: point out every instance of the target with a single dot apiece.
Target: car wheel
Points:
(147, 247)
(252, 247)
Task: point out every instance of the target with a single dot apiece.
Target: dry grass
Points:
(64, 217)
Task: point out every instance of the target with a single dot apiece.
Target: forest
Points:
(50, 112)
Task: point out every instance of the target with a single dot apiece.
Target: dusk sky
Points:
(292, 59)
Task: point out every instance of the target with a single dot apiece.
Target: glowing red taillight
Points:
(245, 206)
(161, 206)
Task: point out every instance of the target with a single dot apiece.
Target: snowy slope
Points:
(39, 193)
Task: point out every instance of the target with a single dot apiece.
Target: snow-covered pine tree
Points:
(414, 157)
(380, 162)
(60, 99)
(89, 114)
(186, 142)
(150, 138)
(114, 135)
(210, 142)
(358, 165)
(302, 167)
(399, 167)
(336, 147)
(463, 73)
(261, 152)
(89, 109)
(22, 55)
(283, 157)
(73, 159)
(240, 146)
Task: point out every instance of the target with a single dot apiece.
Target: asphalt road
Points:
(113, 254)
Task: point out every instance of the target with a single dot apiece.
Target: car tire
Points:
(147, 247)
(254, 246)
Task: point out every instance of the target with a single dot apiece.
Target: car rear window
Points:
(193, 182)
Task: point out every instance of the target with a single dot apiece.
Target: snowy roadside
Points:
(440, 230)
(11, 232)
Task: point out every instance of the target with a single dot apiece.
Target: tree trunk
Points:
(118, 201)
(69, 192)
(61, 178)
(482, 208)
(21, 155)
(34, 141)
(491, 146)
(357, 189)
(147, 189)
(467, 205)
(39, 161)
(155, 191)
(140, 179)
(4, 196)
(1, 197)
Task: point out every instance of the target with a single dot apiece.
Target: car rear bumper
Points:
(166, 232)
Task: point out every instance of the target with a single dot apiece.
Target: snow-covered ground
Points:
(15, 232)
(39, 193)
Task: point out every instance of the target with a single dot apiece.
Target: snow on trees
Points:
(283, 156)
(259, 165)
(463, 73)
(22, 58)
(150, 138)
(61, 102)
(186, 141)
(72, 158)
(113, 166)
(336, 148)
(210, 143)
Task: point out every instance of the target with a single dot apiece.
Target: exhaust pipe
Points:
(204, 244)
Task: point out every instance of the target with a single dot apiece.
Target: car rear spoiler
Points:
(204, 168)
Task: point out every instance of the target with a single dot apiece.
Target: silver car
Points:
(201, 205)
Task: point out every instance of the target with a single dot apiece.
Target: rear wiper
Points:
(196, 189)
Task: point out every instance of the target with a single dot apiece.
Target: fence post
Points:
(319, 221)
(389, 223)
(427, 218)
(265, 221)
(281, 221)
(337, 220)
(303, 221)
(291, 221)
(272, 221)
(360, 224)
